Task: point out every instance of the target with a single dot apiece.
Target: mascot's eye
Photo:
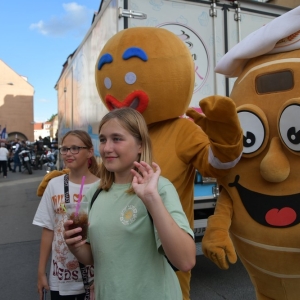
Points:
(107, 83)
(289, 127)
(253, 129)
(130, 78)
(249, 139)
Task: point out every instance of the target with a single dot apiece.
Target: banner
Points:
(3, 133)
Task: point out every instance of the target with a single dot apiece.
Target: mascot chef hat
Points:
(280, 35)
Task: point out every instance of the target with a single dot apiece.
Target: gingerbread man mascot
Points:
(151, 70)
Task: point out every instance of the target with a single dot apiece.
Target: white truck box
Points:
(211, 28)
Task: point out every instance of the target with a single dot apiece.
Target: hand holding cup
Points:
(77, 225)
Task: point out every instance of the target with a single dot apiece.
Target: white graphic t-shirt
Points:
(65, 275)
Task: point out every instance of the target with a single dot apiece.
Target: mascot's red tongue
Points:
(283, 217)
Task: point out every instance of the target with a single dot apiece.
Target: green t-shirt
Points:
(128, 259)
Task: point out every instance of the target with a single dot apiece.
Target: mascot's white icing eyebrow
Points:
(130, 52)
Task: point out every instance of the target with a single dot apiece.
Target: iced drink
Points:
(80, 219)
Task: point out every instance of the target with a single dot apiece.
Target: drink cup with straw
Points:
(78, 213)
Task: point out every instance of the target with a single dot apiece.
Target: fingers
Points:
(220, 260)
(69, 233)
(145, 168)
(40, 291)
(231, 255)
(156, 167)
(69, 237)
(41, 288)
(67, 224)
(75, 242)
(144, 171)
(78, 244)
(197, 117)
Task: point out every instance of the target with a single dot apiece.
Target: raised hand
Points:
(145, 180)
(219, 120)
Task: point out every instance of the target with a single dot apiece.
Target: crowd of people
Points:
(9, 159)
(10, 150)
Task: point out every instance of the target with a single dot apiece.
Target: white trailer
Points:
(208, 28)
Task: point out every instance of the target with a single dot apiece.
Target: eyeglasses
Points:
(73, 149)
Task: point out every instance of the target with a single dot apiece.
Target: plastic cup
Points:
(79, 220)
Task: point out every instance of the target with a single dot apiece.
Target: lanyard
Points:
(83, 269)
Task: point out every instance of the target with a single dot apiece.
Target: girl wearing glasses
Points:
(65, 275)
(136, 221)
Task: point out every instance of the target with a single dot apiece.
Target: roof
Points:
(40, 126)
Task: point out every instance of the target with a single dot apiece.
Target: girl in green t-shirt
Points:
(136, 221)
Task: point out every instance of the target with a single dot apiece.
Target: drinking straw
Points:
(80, 195)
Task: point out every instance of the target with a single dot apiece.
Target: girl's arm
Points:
(81, 250)
(178, 245)
(45, 250)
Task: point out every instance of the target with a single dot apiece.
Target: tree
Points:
(52, 117)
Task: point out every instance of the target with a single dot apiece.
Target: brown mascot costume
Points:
(151, 70)
(258, 211)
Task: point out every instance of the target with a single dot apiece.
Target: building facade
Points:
(16, 104)
(42, 129)
(46, 129)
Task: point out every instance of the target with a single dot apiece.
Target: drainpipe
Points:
(213, 14)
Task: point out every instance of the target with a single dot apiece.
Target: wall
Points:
(16, 104)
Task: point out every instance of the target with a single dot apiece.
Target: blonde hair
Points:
(86, 139)
(135, 124)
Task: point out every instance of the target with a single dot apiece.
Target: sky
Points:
(36, 38)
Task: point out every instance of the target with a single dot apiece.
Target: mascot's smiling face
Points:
(149, 69)
(265, 184)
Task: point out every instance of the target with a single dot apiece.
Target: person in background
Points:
(39, 150)
(65, 280)
(3, 159)
(137, 222)
(17, 161)
(23, 145)
(10, 155)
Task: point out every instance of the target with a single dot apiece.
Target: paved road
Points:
(19, 250)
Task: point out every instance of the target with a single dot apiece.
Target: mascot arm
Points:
(221, 124)
(41, 188)
(216, 243)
